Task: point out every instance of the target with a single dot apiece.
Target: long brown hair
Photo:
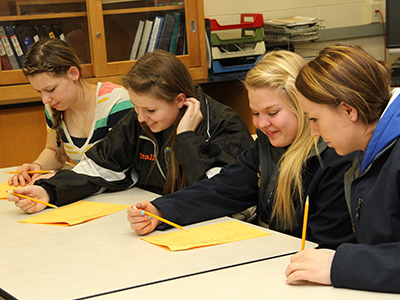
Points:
(279, 69)
(163, 76)
(54, 57)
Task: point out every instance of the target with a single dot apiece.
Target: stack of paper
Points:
(292, 29)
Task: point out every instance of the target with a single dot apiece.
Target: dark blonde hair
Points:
(163, 76)
(350, 75)
(279, 69)
(54, 57)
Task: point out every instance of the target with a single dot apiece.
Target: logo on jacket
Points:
(151, 157)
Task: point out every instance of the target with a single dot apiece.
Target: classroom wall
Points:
(333, 13)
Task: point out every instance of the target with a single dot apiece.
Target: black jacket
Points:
(250, 181)
(127, 156)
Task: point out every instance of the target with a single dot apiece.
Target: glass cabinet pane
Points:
(130, 28)
(26, 21)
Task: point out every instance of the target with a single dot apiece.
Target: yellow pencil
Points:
(32, 199)
(303, 236)
(33, 172)
(162, 219)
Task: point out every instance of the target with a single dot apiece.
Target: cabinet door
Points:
(43, 19)
(114, 27)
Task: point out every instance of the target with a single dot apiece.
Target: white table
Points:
(255, 281)
(106, 255)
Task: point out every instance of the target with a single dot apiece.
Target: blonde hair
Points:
(279, 69)
(347, 74)
(164, 76)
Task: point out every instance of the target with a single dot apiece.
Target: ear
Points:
(349, 111)
(180, 100)
(73, 73)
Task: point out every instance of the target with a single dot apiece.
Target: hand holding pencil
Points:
(30, 199)
(145, 217)
(27, 174)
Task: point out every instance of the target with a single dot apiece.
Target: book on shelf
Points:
(172, 44)
(136, 41)
(24, 37)
(58, 33)
(166, 32)
(179, 47)
(40, 31)
(16, 47)
(155, 34)
(8, 49)
(34, 34)
(145, 38)
(5, 62)
(48, 29)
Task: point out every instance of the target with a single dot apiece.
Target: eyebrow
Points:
(268, 107)
(44, 88)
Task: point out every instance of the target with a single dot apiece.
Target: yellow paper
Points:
(3, 188)
(75, 213)
(221, 233)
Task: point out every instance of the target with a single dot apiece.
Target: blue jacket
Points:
(374, 200)
(250, 181)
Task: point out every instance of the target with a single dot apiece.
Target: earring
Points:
(75, 81)
(353, 118)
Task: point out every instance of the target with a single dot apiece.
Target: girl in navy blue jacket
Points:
(346, 95)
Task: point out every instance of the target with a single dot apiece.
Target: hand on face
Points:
(192, 116)
(310, 265)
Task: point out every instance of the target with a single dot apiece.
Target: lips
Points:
(271, 133)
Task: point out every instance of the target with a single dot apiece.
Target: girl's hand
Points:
(24, 178)
(140, 222)
(33, 191)
(311, 265)
(192, 116)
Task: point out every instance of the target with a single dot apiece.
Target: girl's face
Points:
(59, 92)
(157, 114)
(336, 125)
(272, 117)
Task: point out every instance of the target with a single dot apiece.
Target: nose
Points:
(46, 98)
(263, 122)
(142, 117)
(314, 130)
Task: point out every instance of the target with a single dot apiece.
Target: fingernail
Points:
(142, 212)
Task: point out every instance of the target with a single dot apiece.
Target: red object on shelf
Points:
(257, 21)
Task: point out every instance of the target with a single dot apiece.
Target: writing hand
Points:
(33, 191)
(143, 224)
(310, 265)
(24, 178)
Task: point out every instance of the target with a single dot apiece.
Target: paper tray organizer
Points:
(238, 50)
(246, 21)
(237, 47)
(248, 35)
(244, 64)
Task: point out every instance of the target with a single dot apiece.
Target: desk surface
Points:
(255, 281)
(106, 255)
